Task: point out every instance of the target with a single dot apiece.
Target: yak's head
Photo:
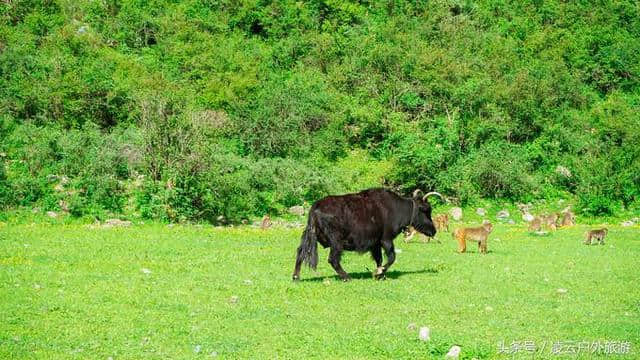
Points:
(421, 218)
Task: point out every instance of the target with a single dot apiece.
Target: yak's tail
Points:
(308, 249)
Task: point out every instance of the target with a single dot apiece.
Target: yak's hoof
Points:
(346, 279)
(296, 278)
(379, 274)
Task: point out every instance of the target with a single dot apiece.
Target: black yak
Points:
(367, 221)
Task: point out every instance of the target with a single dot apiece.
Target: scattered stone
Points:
(35, 210)
(145, 271)
(59, 187)
(52, 214)
(481, 211)
(511, 221)
(412, 327)
(561, 170)
(116, 222)
(503, 214)
(296, 210)
(82, 29)
(214, 354)
(424, 334)
(454, 352)
(627, 223)
(234, 299)
(37, 286)
(248, 282)
(326, 282)
(562, 291)
(398, 251)
(456, 213)
(197, 349)
(488, 308)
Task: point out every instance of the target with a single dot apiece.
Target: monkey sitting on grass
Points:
(595, 235)
(478, 234)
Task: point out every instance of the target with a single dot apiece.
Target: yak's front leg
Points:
(391, 258)
(334, 260)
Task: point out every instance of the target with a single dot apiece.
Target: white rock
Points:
(197, 349)
(145, 271)
(562, 291)
(454, 352)
(627, 223)
(296, 210)
(503, 214)
(561, 170)
(234, 299)
(412, 327)
(399, 251)
(481, 211)
(488, 308)
(52, 214)
(424, 334)
(248, 282)
(456, 213)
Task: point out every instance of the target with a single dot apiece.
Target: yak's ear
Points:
(416, 193)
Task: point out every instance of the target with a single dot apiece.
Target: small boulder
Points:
(52, 214)
(454, 352)
(503, 214)
(563, 171)
(627, 223)
(481, 211)
(116, 222)
(456, 213)
(424, 334)
(412, 327)
(297, 210)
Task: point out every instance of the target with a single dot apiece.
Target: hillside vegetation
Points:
(189, 110)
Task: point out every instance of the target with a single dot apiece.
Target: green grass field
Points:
(153, 291)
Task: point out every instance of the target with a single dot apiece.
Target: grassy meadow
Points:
(158, 291)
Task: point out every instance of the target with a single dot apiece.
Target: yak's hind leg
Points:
(334, 260)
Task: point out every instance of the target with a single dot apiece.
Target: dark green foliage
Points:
(184, 109)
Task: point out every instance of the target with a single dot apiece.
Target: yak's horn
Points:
(432, 193)
(416, 192)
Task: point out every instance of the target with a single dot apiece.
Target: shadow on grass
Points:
(391, 274)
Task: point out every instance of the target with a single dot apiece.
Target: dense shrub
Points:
(187, 109)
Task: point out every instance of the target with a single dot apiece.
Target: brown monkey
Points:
(597, 235)
(410, 232)
(550, 221)
(568, 218)
(477, 234)
(535, 224)
(266, 222)
(441, 222)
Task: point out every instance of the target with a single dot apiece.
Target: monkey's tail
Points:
(308, 249)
